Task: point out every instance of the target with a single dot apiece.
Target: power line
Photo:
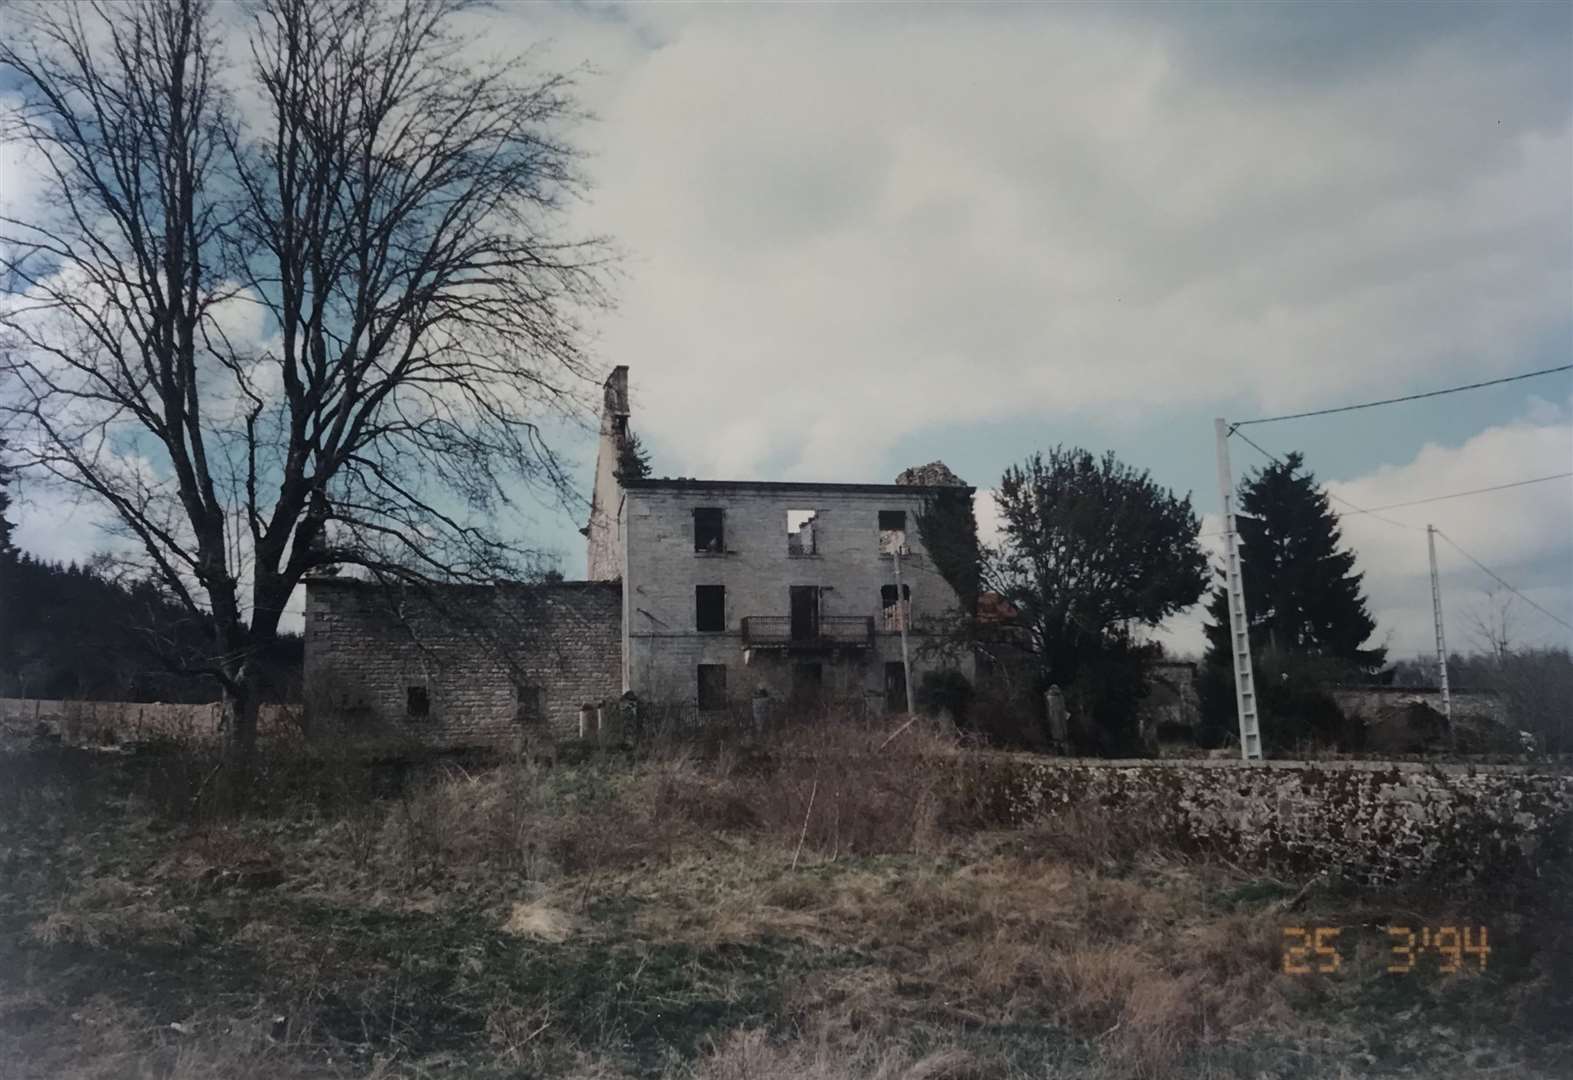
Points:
(1406, 397)
(1330, 494)
(1475, 491)
(1442, 498)
(1498, 579)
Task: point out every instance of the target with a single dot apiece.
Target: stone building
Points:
(701, 593)
(462, 664)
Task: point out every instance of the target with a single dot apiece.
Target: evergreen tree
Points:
(633, 460)
(1309, 623)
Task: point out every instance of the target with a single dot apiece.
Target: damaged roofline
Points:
(318, 581)
(685, 484)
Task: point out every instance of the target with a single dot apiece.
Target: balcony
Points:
(808, 635)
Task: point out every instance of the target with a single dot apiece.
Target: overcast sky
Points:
(864, 237)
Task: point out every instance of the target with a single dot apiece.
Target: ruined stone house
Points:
(700, 593)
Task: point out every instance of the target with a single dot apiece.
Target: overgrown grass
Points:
(823, 904)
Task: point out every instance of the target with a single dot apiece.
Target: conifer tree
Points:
(1309, 623)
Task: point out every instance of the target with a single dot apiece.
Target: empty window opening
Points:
(892, 532)
(416, 701)
(808, 680)
(800, 532)
(710, 608)
(892, 613)
(804, 606)
(712, 687)
(527, 707)
(895, 687)
(709, 529)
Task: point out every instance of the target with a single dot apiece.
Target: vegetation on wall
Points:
(633, 460)
(948, 527)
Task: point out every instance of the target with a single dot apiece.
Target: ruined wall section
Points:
(757, 570)
(559, 646)
(1370, 821)
(603, 534)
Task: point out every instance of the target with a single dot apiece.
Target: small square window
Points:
(712, 687)
(527, 708)
(710, 529)
(710, 608)
(417, 702)
(800, 531)
(892, 532)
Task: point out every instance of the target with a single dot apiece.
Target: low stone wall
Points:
(1370, 821)
(83, 722)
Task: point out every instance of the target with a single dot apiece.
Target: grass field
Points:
(817, 908)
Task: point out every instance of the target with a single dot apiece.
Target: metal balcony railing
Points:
(826, 632)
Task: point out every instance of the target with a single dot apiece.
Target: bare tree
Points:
(1492, 624)
(390, 208)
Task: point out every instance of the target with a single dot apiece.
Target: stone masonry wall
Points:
(1373, 821)
(80, 723)
(481, 663)
(665, 648)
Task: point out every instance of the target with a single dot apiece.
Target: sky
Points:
(861, 237)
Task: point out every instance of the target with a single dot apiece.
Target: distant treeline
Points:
(74, 632)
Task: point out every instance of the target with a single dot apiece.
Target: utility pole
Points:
(902, 607)
(1239, 624)
(1441, 642)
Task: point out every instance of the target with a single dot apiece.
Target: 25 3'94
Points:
(1310, 949)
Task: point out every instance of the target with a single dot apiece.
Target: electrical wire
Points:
(1330, 494)
(1441, 498)
(1406, 397)
(1499, 580)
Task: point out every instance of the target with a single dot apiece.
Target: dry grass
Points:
(660, 919)
(753, 1055)
(107, 911)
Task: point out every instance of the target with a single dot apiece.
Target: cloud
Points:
(1524, 534)
(847, 228)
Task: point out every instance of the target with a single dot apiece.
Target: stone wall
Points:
(757, 571)
(468, 666)
(1369, 701)
(1372, 821)
(92, 722)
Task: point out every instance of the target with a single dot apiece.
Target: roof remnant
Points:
(934, 474)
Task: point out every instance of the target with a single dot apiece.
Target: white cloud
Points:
(847, 225)
(1524, 534)
(846, 228)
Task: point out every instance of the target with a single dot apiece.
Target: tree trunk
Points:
(240, 716)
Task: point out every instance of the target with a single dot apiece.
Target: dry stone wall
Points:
(1368, 820)
(95, 722)
(477, 666)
